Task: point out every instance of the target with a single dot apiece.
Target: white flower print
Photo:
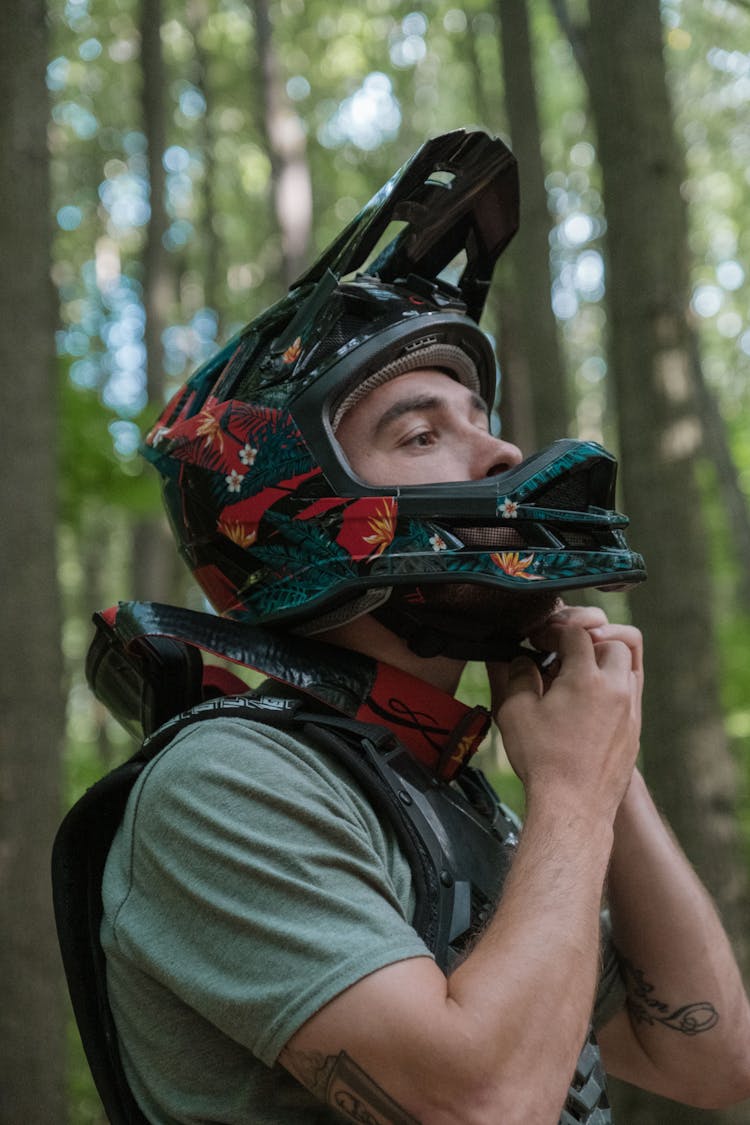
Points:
(509, 509)
(160, 434)
(234, 481)
(438, 543)
(248, 455)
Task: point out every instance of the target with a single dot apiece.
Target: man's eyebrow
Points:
(421, 402)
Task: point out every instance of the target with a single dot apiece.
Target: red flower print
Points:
(368, 527)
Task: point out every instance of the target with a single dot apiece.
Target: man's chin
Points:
(508, 614)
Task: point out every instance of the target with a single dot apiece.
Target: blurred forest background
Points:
(170, 167)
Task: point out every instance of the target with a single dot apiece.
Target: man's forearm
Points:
(686, 1000)
(536, 965)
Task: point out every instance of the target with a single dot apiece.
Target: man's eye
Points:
(421, 439)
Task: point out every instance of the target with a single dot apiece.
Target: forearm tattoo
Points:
(690, 1019)
(339, 1082)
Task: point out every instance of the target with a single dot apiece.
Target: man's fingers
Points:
(627, 635)
(561, 626)
(523, 675)
(581, 617)
(584, 616)
(572, 644)
(613, 655)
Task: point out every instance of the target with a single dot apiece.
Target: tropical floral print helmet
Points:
(268, 514)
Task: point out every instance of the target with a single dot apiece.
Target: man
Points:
(273, 954)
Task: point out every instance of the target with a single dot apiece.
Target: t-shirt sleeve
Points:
(258, 883)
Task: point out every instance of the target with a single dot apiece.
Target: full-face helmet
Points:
(268, 514)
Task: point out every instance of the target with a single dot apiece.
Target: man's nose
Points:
(496, 456)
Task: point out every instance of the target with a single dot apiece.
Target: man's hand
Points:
(579, 732)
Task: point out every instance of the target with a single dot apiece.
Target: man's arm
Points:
(686, 1030)
(498, 1040)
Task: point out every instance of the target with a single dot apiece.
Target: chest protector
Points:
(458, 839)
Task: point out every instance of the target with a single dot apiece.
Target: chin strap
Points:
(440, 632)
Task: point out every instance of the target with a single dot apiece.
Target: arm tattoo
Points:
(339, 1082)
(690, 1019)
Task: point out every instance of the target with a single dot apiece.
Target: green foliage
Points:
(733, 623)
(91, 471)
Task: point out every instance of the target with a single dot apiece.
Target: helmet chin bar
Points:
(460, 633)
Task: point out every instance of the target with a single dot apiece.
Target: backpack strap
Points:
(79, 853)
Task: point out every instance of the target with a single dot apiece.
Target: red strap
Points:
(440, 731)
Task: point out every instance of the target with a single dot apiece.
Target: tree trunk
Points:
(196, 14)
(516, 406)
(542, 368)
(157, 281)
(31, 698)
(728, 482)
(153, 550)
(485, 111)
(686, 757)
(287, 150)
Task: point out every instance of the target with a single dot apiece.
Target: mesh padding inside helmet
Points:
(489, 538)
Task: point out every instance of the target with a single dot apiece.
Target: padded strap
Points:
(78, 857)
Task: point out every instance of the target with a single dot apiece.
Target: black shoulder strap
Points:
(78, 857)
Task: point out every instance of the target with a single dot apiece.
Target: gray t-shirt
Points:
(249, 883)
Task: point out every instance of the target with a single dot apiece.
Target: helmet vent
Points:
(571, 494)
(342, 331)
(489, 538)
(578, 542)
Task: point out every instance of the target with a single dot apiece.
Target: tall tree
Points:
(31, 703)
(196, 13)
(715, 437)
(157, 280)
(686, 756)
(538, 361)
(286, 146)
(153, 550)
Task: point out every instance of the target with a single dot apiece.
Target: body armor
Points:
(458, 837)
